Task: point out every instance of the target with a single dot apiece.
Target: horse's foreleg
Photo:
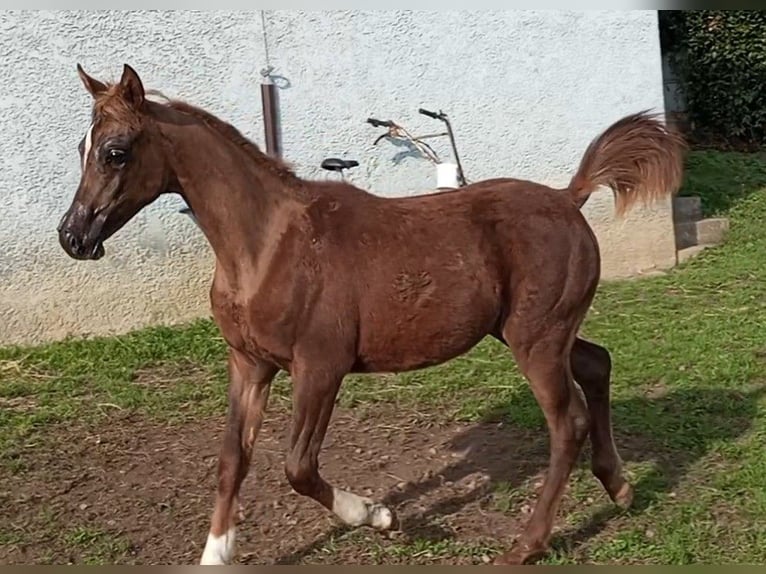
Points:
(249, 384)
(314, 392)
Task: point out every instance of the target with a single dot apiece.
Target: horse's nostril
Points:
(71, 240)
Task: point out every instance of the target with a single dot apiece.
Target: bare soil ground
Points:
(144, 491)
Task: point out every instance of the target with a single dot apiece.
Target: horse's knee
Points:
(302, 475)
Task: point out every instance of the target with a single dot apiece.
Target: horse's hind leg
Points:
(314, 390)
(544, 360)
(591, 367)
(249, 385)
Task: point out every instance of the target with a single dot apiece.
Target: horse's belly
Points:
(401, 335)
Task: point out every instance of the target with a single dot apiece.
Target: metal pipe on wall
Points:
(270, 104)
(269, 98)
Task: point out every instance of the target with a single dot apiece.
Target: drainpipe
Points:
(270, 112)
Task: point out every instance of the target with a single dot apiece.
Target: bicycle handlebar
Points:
(380, 123)
(430, 114)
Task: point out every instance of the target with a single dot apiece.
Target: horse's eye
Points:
(116, 157)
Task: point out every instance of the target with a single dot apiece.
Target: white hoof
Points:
(356, 510)
(219, 550)
(380, 517)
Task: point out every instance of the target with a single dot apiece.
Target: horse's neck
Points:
(231, 196)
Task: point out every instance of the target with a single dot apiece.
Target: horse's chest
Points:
(250, 328)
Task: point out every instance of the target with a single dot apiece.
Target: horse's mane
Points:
(276, 166)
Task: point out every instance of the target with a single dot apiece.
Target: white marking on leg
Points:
(356, 510)
(88, 145)
(219, 550)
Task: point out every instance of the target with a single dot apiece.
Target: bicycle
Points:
(448, 175)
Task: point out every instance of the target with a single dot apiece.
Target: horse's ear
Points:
(93, 86)
(131, 88)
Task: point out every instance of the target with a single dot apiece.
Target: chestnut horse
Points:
(322, 279)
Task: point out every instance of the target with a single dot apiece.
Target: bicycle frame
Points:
(440, 115)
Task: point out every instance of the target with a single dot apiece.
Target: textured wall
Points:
(526, 92)
(158, 268)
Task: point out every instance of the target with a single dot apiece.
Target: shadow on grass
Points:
(723, 179)
(672, 431)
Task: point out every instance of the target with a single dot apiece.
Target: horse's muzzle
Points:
(80, 233)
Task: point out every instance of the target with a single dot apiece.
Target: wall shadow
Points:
(406, 150)
(723, 179)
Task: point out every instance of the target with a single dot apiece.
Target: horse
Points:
(319, 279)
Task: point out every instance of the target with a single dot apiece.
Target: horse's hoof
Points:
(383, 518)
(520, 555)
(624, 497)
(219, 550)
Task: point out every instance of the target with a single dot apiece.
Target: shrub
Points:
(719, 57)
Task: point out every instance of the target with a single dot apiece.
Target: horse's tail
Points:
(638, 157)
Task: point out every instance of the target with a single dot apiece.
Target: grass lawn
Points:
(689, 353)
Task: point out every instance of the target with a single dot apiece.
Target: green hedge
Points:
(720, 59)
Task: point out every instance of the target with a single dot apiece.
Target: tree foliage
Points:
(719, 57)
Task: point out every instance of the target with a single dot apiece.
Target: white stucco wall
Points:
(526, 92)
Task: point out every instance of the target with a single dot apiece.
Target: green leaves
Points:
(720, 59)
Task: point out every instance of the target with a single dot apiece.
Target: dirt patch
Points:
(19, 404)
(145, 490)
(163, 375)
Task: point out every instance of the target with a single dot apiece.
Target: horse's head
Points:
(123, 163)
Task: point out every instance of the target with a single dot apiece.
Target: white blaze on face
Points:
(88, 144)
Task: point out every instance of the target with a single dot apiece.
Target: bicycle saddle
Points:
(337, 164)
